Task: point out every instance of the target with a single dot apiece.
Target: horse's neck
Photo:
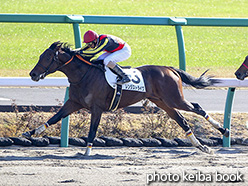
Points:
(76, 70)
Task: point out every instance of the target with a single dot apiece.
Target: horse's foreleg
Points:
(198, 110)
(68, 108)
(95, 120)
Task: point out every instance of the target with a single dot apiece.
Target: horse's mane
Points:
(64, 46)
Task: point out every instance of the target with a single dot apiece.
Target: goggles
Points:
(90, 43)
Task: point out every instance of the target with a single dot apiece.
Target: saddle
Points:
(115, 77)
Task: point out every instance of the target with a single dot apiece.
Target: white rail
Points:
(231, 82)
(63, 82)
(27, 82)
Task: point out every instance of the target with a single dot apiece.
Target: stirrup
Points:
(123, 80)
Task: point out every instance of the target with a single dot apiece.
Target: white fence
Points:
(27, 82)
(63, 82)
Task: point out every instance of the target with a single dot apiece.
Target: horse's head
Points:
(51, 60)
(242, 72)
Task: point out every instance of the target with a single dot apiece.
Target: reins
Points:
(69, 60)
(245, 65)
(85, 61)
(55, 59)
(82, 59)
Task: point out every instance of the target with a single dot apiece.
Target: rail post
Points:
(177, 22)
(181, 47)
(65, 125)
(78, 44)
(77, 35)
(228, 116)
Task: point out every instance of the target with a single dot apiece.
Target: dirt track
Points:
(122, 166)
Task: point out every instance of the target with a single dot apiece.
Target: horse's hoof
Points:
(87, 152)
(205, 148)
(226, 133)
(26, 134)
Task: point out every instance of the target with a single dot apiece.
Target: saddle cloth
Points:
(136, 83)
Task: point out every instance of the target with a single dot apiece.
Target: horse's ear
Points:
(56, 45)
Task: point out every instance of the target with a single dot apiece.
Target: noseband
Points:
(245, 65)
(246, 72)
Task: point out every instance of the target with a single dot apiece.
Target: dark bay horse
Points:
(89, 89)
(242, 71)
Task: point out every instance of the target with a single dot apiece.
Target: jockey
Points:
(116, 50)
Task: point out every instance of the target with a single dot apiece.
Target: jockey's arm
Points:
(101, 46)
(77, 50)
(85, 47)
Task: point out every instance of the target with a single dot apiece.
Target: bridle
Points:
(245, 73)
(56, 60)
(245, 66)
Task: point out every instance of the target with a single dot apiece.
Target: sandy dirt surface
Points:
(123, 166)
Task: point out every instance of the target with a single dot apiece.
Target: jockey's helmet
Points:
(90, 36)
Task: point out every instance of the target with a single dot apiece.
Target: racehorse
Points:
(89, 89)
(242, 71)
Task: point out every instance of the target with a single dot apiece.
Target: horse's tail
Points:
(200, 82)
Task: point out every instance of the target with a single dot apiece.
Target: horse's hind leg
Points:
(183, 104)
(198, 110)
(176, 115)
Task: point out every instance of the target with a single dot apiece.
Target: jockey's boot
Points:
(123, 75)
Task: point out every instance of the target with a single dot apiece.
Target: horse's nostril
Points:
(237, 74)
(32, 74)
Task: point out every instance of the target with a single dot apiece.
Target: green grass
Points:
(220, 49)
